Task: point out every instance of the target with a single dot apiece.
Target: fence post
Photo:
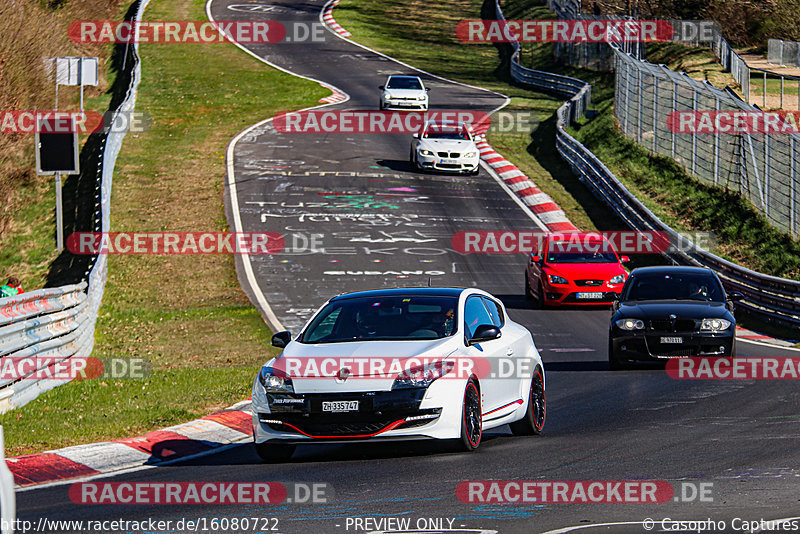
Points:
(655, 112)
(782, 79)
(694, 134)
(766, 175)
(716, 147)
(639, 108)
(765, 90)
(793, 212)
(627, 94)
(674, 109)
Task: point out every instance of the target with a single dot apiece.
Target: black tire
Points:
(537, 302)
(613, 362)
(475, 172)
(471, 418)
(535, 415)
(528, 293)
(380, 105)
(272, 453)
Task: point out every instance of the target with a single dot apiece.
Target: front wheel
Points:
(471, 418)
(613, 362)
(274, 452)
(533, 422)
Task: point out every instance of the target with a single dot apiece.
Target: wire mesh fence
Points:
(784, 53)
(763, 167)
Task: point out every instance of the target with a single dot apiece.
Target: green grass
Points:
(186, 314)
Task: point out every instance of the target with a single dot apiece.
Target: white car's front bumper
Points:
(439, 163)
(400, 104)
(305, 423)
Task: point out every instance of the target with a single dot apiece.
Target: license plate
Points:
(677, 340)
(340, 406)
(449, 161)
(592, 295)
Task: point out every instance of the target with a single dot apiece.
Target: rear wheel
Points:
(533, 422)
(274, 452)
(471, 418)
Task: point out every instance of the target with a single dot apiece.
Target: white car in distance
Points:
(445, 146)
(404, 92)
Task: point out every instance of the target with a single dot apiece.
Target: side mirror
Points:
(485, 332)
(535, 258)
(427, 89)
(624, 259)
(381, 87)
(281, 339)
(415, 136)
(735, 296)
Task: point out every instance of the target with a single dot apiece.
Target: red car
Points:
(574, 268)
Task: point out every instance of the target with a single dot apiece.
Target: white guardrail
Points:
(773, 298)
(56, 324)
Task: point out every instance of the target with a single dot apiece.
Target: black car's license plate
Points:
(673, 340)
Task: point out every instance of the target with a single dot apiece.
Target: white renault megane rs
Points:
(408, 363)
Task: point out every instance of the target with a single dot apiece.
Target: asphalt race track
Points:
(382, 224)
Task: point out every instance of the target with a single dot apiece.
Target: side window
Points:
(496, 311)
(475, 314)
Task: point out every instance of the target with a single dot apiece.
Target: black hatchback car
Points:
(671, 312)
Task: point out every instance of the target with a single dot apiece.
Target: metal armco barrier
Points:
(58, 323)
(775, 299)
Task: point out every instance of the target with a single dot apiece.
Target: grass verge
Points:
(186, 314)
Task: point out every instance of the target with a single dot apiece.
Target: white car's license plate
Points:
(677, 340)
(592, 295)
(449, 161)
(340, 406)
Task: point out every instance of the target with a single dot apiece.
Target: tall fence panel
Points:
(785, 53)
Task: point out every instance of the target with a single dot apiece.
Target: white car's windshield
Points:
(451, 134)
(383, 318)
(403, 83)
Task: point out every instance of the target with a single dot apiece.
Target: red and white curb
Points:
(537, 201)
(743, 333)
(233, 425)
(336, 97)
(327, 17)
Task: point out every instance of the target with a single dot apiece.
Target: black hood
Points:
(683, 309)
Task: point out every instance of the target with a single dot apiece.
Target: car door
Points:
(492, 389)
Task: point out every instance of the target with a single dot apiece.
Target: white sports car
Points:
(404, 92)
(408, 363)
(445, 146)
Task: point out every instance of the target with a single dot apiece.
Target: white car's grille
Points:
(449, 154)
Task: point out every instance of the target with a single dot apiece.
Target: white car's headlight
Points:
(426, 152)
(421, 376)
(715, 325)
(469, 154)
(275, 380)
(630, 324)
(387, 96)
(555, 279)
(617, 279)
(423, 97)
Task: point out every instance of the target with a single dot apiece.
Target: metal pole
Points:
(639, 109)
(674, 109)
(793, 184)
(782, 79)
(59, 216)
(765, 90)
(716, 148)
(655, 111)
(766, 175)
(694, 134)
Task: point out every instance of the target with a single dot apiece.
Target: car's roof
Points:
(671, 269)
(405, 291)
(404, 76)
(584, 236)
